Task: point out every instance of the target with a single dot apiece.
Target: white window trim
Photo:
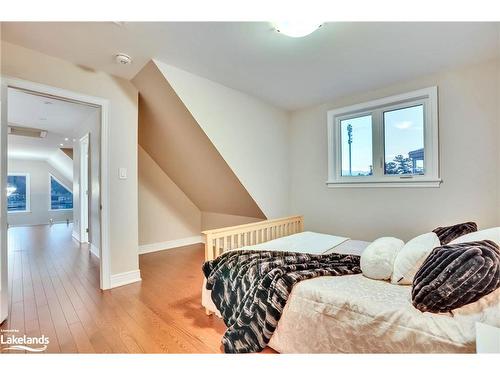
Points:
(50, 195)
(28, 193)
(427, 97)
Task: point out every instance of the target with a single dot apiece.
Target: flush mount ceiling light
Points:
(297, 29)
(123, 59)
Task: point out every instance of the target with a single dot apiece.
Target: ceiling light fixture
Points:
(60, 144)
(123, 59)
(297, 29)
(66, 139)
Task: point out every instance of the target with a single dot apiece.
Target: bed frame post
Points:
(209, 247)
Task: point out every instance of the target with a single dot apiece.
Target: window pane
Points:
(16, 193)
(404, 140)
(356, 138)
(60, 197)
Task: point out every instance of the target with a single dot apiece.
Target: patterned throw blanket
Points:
(250, 289)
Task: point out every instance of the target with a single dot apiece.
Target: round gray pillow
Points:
(456, 275)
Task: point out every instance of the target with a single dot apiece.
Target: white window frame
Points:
(28, 192)
(50, 194)
(376, 108)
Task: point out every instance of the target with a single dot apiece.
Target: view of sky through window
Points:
(356, 138)
(60, 197)
(403, 143)
(16, 193)
(404, 140)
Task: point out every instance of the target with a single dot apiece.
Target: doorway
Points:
(95, 181)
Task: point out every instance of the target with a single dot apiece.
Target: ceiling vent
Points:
(27, 132)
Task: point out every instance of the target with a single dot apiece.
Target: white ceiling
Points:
(338, 59)
(63, 121)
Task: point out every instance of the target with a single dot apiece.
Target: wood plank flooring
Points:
(55, 291)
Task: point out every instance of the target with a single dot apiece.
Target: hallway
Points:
(54, 289)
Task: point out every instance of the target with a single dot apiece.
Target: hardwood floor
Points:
(55, 291)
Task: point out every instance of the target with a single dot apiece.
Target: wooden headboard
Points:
(217, 241)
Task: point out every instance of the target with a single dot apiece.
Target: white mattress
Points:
(354, 314)
(304, 242)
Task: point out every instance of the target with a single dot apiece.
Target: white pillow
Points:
(377, 260)
(412, 256)
(492, 234)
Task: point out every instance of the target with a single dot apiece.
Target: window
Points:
(18, 192)
(356, 156)
(61, 198)
(387, 142)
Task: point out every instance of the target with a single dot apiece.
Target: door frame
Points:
(105, 258)
(84, 195)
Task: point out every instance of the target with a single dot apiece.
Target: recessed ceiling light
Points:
(60, 144)
(74, 140)
(66, 139)
(297, 29)
(123, 59)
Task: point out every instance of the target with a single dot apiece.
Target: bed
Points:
(352, 313)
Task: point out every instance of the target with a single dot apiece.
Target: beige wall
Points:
(213, 220)
(469, 144)
(122, 95)
(173, 138)
(251, 135)
(165, 212)
(39, 213)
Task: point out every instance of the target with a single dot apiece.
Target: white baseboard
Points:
(159, 246)
(125, 278)
(94, 250)
(76, 236)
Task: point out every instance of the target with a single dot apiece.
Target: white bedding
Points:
(304, 242)
(354, 314)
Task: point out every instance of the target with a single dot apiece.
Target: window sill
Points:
(427, 183)
(60, 209)
(18, 212)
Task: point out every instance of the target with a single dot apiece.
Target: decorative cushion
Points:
(411, 257)
(456, 275)
(448, 234)
(492, 234)
(377, 259)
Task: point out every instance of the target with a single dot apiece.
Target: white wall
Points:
(37, 67)
(251, 135)
(39, 212)
(469, 146)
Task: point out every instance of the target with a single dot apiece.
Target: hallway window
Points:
(18, 192)
(61, 198)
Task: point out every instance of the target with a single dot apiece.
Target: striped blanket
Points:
(250, 289)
